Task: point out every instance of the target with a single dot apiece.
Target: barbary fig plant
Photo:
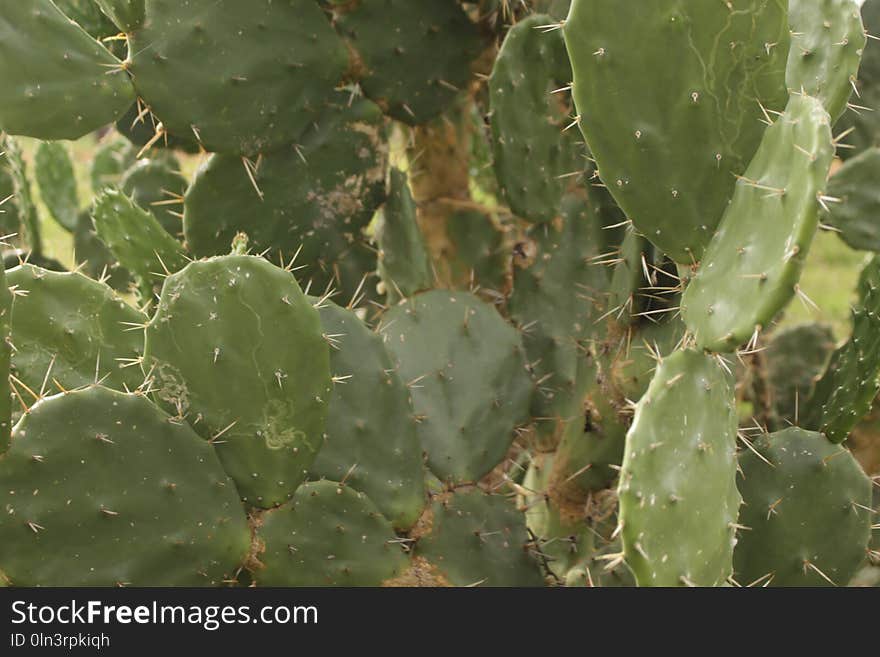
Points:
(447, 293)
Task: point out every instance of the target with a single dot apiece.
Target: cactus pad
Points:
(827, 40)
(668, 139)
(404, 264)
(467, 372)
(556, 293)
(678, 496)
(59, 83)
(242, 77)
(807, 509)
(128, 15)
(855, 213)
(319, 196)
(533, 156)
(469, 538)
(242, 321)
(371, 443)
(796, 357)
(752, 268)
(327, 535)
(137, 239)
(54, 172)
(412, 58)
(100, 488)
(844, 394)
(72, 330)
(157, 188)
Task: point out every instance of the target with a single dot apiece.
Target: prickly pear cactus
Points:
(240, 319)
(436, 293)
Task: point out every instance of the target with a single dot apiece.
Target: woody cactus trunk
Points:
(460, 293)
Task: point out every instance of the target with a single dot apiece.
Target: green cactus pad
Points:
(467, 371)
(860, 123)
(128, 15)
(796, 357)
(404, 264)
(137, 240)
(72, 330)
(157, 188)
(807, 510)
(555, 298)
(100, 488)
(140, 126)
(589, 454)
(89, 16)
(412, 58)
(26, 207)
(372, 442)
(113, 157)
(752, 268)
(237, 349)
(844, 394)
(478, 255)
(678, 496)
(626, 298)
(855, 212)
(469, 538)
(563, 541)
(95, 259)
(55, 176)
(58, 82)
(668, 139)
(10, 222)
(5, 361)
(316, 199)
(533, 156)
(244, 78)
(327, 535)
(602, 570)
(827, 40)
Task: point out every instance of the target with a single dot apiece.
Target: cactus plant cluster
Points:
(461, 293)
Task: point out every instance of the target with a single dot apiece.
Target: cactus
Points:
(327, 535)
(55, 176)
(70, 331)
(128, 15)
(747, 276)
(807, 513)
(113, 157)
(5, 362)
(678, 496)
(148, 504)
(460, 293)
(371, 442)
(311, 201)
(137, 240)
(468, 375)
(404, 266)
(796, 358)
(155, 186)
(852, 379)
(667, 141)
(242, 319)
(855, 210)
(418, 71)
(72, 66)
(470, 538)
(827, 40)
(26, 209)
(533, 156)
